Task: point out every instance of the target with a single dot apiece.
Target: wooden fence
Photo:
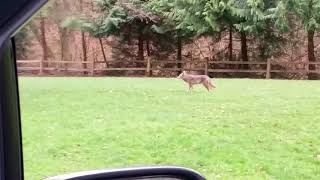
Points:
(206, 66)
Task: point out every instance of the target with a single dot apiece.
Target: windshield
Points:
(226, 88)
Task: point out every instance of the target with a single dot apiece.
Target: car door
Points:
(13, 14)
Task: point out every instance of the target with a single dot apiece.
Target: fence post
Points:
(148, 70)
(92, 67)
(206, 66)
(41, 67)
(268, 74)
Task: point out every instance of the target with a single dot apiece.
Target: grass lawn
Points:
(246, 129)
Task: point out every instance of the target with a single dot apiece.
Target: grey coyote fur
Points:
(196, 79)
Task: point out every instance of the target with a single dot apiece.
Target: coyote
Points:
(196, 79)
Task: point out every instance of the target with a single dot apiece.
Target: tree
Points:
(124, 19)
(139, 23)
(263, 20)
(108, 23)
(222, 11)
(65, 33)
(251, 18)
(308, 13)
(22, 40)
(171, 25)
(59, 11)
(37, 27)
(83, 42)
(208, 17)
(43, 38)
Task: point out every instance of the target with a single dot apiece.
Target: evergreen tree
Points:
(308, 11)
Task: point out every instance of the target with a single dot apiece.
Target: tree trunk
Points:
(149, 72)
(244, 50)
(39, 39)
(84, 43)
(84, 50)
(140, 46)
(102, 50)
(230, 44)
(179, 53)
(311, 56)
(43, 39)
(148, 47)
(66, 37)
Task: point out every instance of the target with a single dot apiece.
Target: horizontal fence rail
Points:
(149, 66)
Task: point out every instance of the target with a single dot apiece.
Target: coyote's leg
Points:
(190, 86)
(206, 85)
(211, 85)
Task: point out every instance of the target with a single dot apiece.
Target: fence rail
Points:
(149, 66)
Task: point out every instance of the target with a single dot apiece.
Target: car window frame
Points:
(11, 154)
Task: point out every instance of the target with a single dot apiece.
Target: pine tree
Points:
(171, 25)
(263, 20)
(308, 11)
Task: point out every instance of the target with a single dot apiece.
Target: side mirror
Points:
(140, 173)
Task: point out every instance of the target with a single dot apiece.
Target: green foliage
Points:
(24, 36)
(308, 12)
(105, 25)
(207, 17)
(279, 15)
(171, 29)
(22, 42)
(270, 43)
(110, 23)
(105, 5)
(219, 13)
(80, 23)
(214, 15)
(162, 20)
(183, 16)
(253, 15)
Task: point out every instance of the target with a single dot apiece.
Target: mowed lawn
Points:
(246, 129)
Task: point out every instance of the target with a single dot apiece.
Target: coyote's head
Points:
(181, 75)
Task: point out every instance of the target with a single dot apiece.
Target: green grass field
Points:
(246, 129)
